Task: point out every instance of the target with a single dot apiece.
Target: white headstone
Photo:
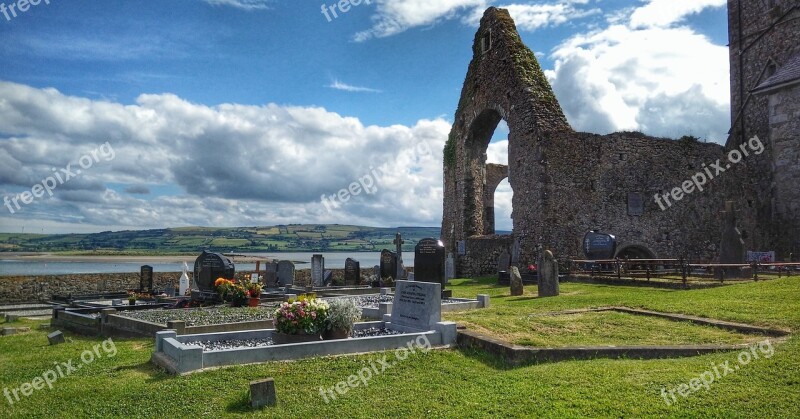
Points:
(183, 284)
(417, 305)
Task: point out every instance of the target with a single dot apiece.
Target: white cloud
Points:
(396, 16)
(224, 165)
(665, 81)
(350, 88)
(241, 4)
(530, 17)
(664, 13)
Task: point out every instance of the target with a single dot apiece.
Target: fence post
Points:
(647, 270)
(755, 271)
(619, 268)
(683, 272)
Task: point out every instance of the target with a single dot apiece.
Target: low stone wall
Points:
(19, 289)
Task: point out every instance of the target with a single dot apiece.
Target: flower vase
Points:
(253, 302)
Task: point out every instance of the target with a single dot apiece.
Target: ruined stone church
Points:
(628, 184)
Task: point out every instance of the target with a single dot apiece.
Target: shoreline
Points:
(54, 257)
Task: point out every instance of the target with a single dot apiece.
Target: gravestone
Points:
(417, 305)
(352, 272)
(449, 267)
(599, 246)
(398, 242)
(548, 275)
(271, 274)
(388, 264)
(146, 278)
(504, 261)
(285, 273)
(429, 261)
(56, 337)
(516, 248)
(327, 278)
(210, 266)
(516, 282)
(317, 271)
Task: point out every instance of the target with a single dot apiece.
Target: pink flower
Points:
(313, 314)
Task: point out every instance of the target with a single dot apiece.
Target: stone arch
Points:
(495, 173)
(635, 251)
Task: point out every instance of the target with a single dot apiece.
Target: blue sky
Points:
(246, 112)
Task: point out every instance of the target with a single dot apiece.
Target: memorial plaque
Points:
(635, 204)
(317, 271)
(210, 266)
(429, 259)
(271, 274)
(352, 272)
(388, 264)
(597, 246)
(462, 247)
(146, 278)
(417, 305)
(285, 273)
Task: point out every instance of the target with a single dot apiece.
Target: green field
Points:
(454, 382)
(190, 240)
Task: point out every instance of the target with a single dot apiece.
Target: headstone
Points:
(352, 272)
(398, 242)
(271, 274)
(317, 271)
(504, 261)
(56, 337)
(449, 267)
(599, 246)
(548, 275)
(417, 305)
(327, 278)
(516, 282)
(731, 246)
(388, 264)
(262, 393)
(210, 266)
(183, 282)
(429, 261)
(146, 278)
(515, 251)
(116, 302)
(169, 289)
(410, 276)
(285, 273)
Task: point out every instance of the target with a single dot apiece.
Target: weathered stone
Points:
(56, 338)
(516, 282)
(262, 393)
(548, 275)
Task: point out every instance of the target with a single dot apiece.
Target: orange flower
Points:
(219, 281)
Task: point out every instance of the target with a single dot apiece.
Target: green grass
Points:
(443, 383)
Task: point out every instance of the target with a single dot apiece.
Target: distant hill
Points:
(279, 238)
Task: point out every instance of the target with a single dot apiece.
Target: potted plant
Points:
(131, 298)
(300, 321)
(231, 291)
(254, 293)
(339, 324)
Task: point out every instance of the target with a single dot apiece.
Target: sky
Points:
(128, 115)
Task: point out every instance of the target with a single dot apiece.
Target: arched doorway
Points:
(635, 252)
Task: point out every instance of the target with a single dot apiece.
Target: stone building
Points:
(764, 39)
(660, 197)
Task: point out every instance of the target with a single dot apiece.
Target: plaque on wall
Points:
(635, 204)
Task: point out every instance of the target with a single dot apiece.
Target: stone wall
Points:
(566, 183)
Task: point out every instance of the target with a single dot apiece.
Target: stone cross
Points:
(398, 242)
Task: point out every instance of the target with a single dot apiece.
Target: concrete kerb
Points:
(520, 355)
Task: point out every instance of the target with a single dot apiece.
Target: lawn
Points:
(453, 383)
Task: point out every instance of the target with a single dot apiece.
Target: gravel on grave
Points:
(203, 316)
(30, 313)
(372, 301)
(255, 343)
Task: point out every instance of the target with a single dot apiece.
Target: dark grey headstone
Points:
(327, 278)
(285, 273)
(210, 266)
(388, 264)
(352, 272)
(271, 274)
(429, 261)
(146, 278)
(548, 275)
(56, 337)
(317, 271)
(262, 393)
(504, 261)
(417, 305)
(599, 246)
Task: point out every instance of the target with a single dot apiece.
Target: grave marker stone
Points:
(317, 271)
(429, 261)
(516, 282)
(327, 278)
(146, 278)
(449, 267)
(285, 273)
(599, 246)
(417, 305)
(352, 272)
(504, 261)
(271, 274)
(548, 275)
(210, 266)
(398, 242)
(388, 264)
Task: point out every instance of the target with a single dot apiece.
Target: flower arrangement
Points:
(230, 290)
(305, 316)
(254, 290)
(343, 313)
